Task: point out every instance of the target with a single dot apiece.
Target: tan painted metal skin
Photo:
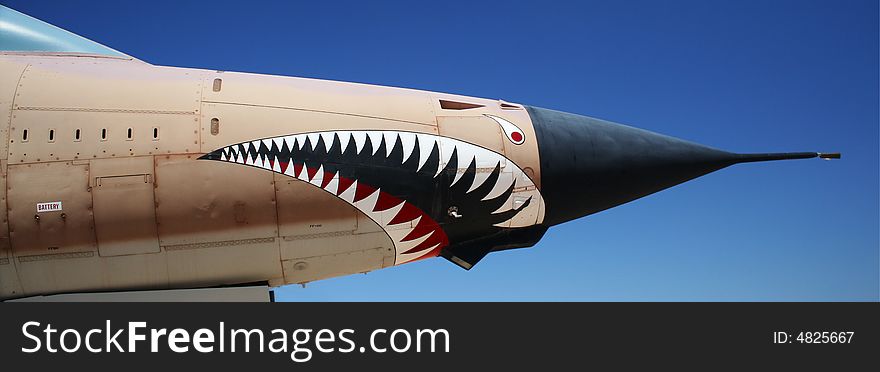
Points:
(117, 141)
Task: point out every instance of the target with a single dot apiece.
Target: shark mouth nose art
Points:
(426, 191)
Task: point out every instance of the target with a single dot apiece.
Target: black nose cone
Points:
(589, 165)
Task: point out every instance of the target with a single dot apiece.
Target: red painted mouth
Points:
(425, 227)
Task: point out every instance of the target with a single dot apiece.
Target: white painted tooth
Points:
(303, 174)
(279, 142)
(268, 143)
(375, 140)
(404, 258)
(246, 157)
(368, 204)
(299, 140)
(505, 179)
(313, 139)
(328, 139)
(463, 164)
(348, 194)
(399, 232)
(223, 155)
(259, 158)
(319, 176)
(408, 141)
(479, 178)
(344, 137)
(447, 148)
(390, 141)
(290, 169)
(468, 153)
(264, 162)
(333, 185)
(242, 154)
(276, 165)
(390, 213)
(360, 138)
(484, 170)
(508, 205)
(486, 158)
(426, 145)
(410, 244)
(522, 179)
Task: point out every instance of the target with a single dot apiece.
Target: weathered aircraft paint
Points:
(120, 175)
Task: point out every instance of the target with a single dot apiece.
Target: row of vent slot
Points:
(445, 104)
(77, 134)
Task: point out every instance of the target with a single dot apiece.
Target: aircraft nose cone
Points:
(589, 165)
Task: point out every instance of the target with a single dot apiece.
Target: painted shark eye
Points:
(516, 137)
(513, 133)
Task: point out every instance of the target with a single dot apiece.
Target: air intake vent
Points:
(508, 106)
(453, 105)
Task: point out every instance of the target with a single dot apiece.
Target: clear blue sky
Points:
(747, 76)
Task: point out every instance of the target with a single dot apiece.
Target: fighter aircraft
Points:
(119, 176)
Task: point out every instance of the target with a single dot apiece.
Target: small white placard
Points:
(49, 207)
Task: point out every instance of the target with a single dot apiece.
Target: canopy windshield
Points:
(22, 33)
